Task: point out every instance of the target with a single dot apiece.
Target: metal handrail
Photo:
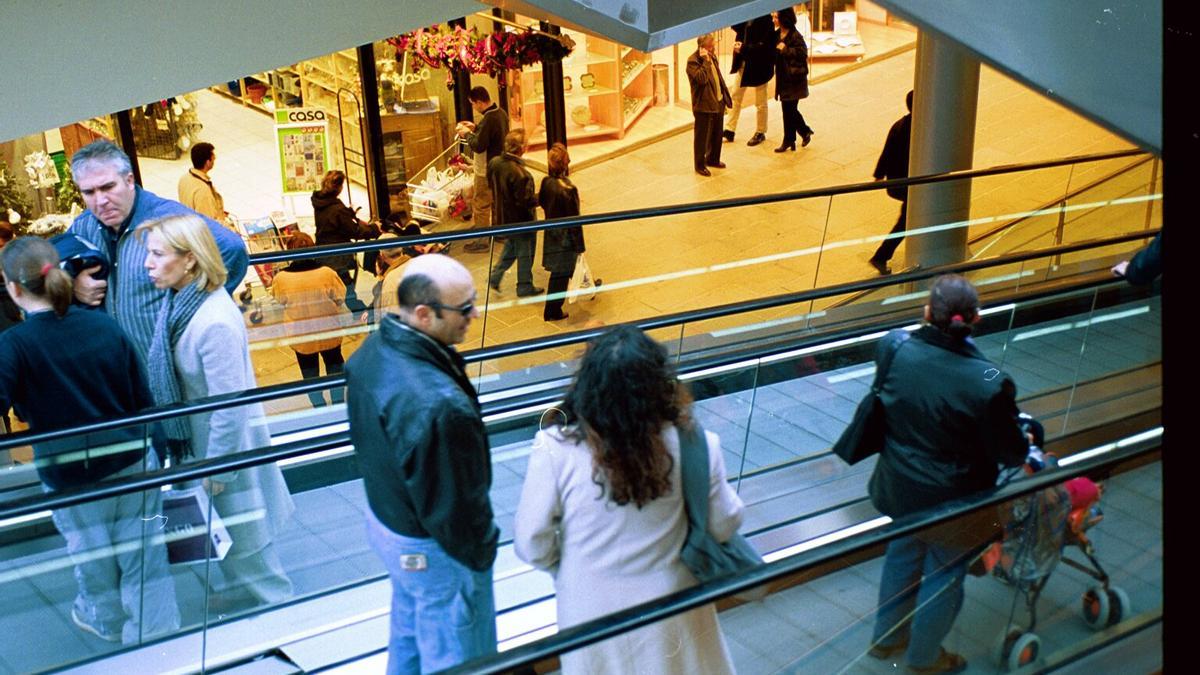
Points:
(673, 209)
(676, 603)
(564, 339)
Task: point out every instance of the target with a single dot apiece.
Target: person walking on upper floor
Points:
(420, 441)
(561, 248)
(116, 207)
(55, 379)
(754, 62)
(602, 509)
(339, 224)
(791, 79)
(893, 164)
(313, 300)
(196, 189)
(710, 98)
(951, 420)
(487, 142)
(514, 201)
(200, 349)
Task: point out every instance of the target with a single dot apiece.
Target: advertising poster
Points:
(302, 138)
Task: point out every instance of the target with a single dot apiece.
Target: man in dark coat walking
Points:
(893, 163)
(754, 59)
(710, 98)
(514, 201)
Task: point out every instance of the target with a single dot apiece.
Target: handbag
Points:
(191, 535)
(864, 435)
(707, 558)
(581, 285)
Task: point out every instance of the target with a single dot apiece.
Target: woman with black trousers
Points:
(791, 79)
(338, 224)
(560, 248)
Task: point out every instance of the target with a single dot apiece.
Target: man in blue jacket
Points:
(116, 206)
(416, 427)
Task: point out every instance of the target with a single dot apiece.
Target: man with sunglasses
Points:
(416, 427)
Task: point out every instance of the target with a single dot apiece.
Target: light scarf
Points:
(177, 310)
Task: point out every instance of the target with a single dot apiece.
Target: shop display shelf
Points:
(637, 111)
(626, 51)
(576, 132)
(633, 74)
(577, 92)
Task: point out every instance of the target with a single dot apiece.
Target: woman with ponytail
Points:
(200, 349)
(65, 366)
(951, 420)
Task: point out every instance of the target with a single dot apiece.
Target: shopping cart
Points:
(262, 235)
(1041, 527)
(442, 190)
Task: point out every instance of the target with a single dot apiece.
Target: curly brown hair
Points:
(624, 392)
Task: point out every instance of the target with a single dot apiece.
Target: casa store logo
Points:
(299, 116)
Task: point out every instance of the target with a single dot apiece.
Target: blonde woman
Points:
(200, 349)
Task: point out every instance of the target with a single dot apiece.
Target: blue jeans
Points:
(443, 613)
(518, 248)
(936, 598)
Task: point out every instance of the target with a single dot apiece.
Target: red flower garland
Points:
(463, 49)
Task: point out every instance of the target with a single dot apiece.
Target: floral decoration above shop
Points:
(459, 48)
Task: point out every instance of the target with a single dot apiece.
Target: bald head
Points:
(437, 297)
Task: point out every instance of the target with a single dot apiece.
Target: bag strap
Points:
(888, 356)
(693, 474)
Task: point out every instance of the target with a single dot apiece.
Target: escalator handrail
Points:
(665, 607)
(313, 252)
(563, 339)
(341, 439)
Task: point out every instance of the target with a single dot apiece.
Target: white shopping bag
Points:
(581, 281)
(187, 528)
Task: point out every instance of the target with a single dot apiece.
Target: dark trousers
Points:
(793, 122)
(706, 139)
(519, 249)
(349, 278)
(887, 247)
(310, 367)
(558, 284)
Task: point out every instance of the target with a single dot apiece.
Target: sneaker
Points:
(525, 293)
(727, 135)
(89, 628)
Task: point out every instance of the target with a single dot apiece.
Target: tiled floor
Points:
(822, 624)
(675, 263)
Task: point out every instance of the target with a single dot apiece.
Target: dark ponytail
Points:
(32, 263)
(953, 305)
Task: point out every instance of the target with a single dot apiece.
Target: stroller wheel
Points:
(1021, 649)
(1096, 607)
(1119, 608)
(246, 296)
(256, 316)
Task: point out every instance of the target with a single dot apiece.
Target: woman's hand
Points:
(213, 487)
(780, 46)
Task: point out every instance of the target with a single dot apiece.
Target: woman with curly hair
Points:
(602, 509)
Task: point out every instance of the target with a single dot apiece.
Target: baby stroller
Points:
(1041, 526)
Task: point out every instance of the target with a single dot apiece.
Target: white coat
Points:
(606, 557)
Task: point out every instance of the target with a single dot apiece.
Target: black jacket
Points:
(757, 55)
(416, 428)
(1146, 266)
(791, 67)
(513, 198)
(489, 133)
(951, 419)
(560, 199)
(893, 160)
(337, 224)
(709, 93)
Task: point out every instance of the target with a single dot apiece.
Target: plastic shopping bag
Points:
(190, 538)
(582, 284)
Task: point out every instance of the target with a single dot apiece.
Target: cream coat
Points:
(605, 557)
(212, 358)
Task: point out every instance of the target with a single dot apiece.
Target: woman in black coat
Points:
(951, 420)
(561, 247)
(791, 78)
(337, 224)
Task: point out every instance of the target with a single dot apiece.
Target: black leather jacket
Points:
(513, 197)
(416, 427)
(560, 199)
(951, 420)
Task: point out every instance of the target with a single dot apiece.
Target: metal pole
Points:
(377, 187)
(125, 138)
(555, 102)
(462, 85)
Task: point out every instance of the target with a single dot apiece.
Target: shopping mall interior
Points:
(757, 278)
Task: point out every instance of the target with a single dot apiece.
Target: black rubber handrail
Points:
(674, 209)
(564, 339)
(665, 607)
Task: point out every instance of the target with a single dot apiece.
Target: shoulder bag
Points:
(707, 558)
(864, 436)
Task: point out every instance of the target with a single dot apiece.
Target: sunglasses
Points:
(464, 309)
